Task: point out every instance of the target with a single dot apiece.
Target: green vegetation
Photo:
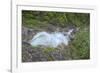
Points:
(41, 19)
(48, 49)
(79, 46)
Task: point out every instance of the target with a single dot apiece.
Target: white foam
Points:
(50, 39)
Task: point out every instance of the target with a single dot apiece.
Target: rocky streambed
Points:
(42, 53)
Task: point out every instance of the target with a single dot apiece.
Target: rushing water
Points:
(51, 39)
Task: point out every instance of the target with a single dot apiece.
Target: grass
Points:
(81, 45)
(40, 18)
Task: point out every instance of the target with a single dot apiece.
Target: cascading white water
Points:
(51, 39)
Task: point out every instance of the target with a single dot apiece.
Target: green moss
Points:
(48, 50)
(50, 58)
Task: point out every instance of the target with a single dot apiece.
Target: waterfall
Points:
(53, 39)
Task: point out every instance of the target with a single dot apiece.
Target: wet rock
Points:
(27, 34)
(56, 55)
(30, 54)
